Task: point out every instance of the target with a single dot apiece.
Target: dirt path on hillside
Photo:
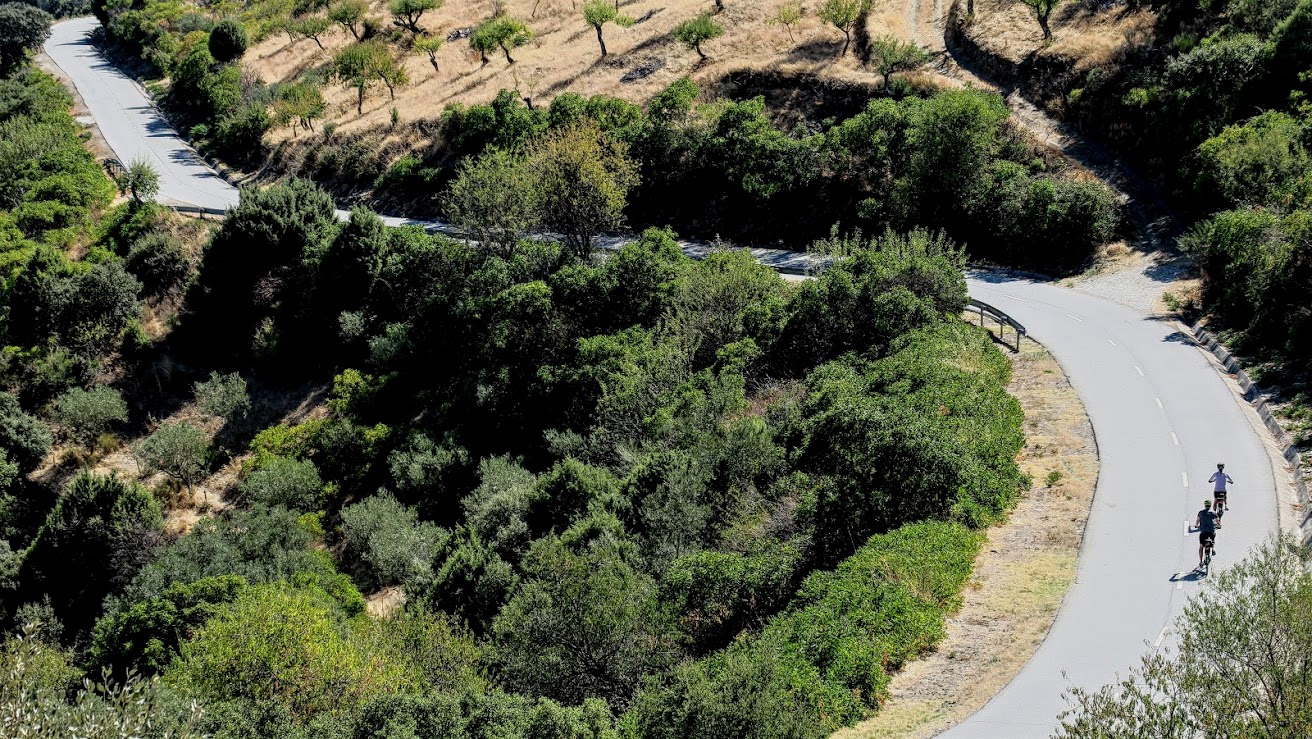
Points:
(1157, 266)
(1021, 574)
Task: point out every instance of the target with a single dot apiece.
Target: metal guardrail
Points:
(114, 168)
(1003, 320)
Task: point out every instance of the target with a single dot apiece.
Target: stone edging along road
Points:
(1162, 415)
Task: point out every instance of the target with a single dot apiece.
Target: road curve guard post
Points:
(1003, 320)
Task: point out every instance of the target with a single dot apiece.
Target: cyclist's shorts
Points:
(1207, 538)
(1219, 495)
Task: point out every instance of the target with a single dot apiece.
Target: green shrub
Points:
(24, 438)
(160, 261)
(86, 414)
(224, 396)
(228, 41)
(290, 483)
(387, 543)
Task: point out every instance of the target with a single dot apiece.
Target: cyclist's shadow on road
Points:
(1193, 575)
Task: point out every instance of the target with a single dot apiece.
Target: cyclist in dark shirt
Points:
(1205, 523)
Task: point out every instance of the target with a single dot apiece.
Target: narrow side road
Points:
(1162, 415)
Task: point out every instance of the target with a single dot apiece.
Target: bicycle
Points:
(1209, 544)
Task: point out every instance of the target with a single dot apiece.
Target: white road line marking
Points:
(1160, 637)
(1179, 585)
(1113, 343)
(1013, 297)
(1137, 369)
(1072, 315)
(1175, 439)
(1184, 477)
(1159, 403)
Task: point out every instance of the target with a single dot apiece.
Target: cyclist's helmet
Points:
(1207, 504)
(1220, 465)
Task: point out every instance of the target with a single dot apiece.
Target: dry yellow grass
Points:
(564, 56)
(1022, 572)
(1084, 33)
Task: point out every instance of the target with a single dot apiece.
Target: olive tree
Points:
(1043, 11)
(582, 178)
(889, 55)
(600, 12)
(406, 13)
(350, 14)
(356, 67)
(179, 450)
(1240, 669)
(429, 45)
(693, 33)
(844, 15)
(313, 27)
(86, 414)
(788, 15)
(223, 396)
(501, 32)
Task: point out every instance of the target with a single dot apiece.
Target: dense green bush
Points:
(86, 414)
(387, 544)
(160, 261)
(23, 438)
(228, 41)
(23, 28)
(291, 483)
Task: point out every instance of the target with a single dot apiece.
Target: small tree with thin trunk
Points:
(406, 13)
(889, 55)
(600, 12)
(788, 15)
(390, 73)
(356, 66)
(140, 181)
(430, 45)
(349, 13)
(844, 15)
(178, 450)
(1043, 11)
(693, 33)
(501, 32)
(314, 27)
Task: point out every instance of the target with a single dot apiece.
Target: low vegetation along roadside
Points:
(630, 496)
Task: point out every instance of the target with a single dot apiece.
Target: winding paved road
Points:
(1162, 414)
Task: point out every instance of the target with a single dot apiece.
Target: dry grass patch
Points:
(1021, 574)
(1085, 33)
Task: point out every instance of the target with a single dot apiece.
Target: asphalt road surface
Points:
(1162, 414)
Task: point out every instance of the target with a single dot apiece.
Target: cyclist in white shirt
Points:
(1219, 480)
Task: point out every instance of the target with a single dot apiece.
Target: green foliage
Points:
(140, 181)
(1260, 163)
(843, 15)
(88, 542)
(788, 15)
(501, 32)
(494, 200)
(23, 28)
(284, 645)
(35, 681)
(312, 27)
(160, 262)
(587, 590)
(178, 450)
(350, 14)
(598, 13)
(360, 65)
(145, 636)
(387, 544)
(889, 54)
(697, 31)
(581, 179)
(291, 483)
(228, 41)
(261, 545)
(406, 13)
(430, 45)
(86, 414)
(223, 396)
(1248, 622)
(24, 439)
